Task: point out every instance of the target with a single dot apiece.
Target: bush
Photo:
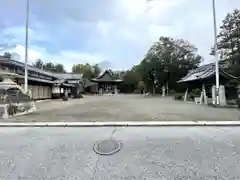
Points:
(195, 92)
(238, 102)
(178, 97)
(12, 109)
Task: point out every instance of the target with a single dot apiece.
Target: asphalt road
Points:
(125, 108)
(147, 153)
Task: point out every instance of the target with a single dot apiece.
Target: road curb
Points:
(124, 124)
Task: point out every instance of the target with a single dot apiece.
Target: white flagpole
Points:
(216, 52)
(26, 48)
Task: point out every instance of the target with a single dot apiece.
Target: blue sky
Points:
(115, 33)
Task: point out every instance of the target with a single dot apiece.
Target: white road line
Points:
(122, 123)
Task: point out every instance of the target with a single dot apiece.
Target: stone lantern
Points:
(14, 102)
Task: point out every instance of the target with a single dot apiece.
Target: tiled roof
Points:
(21, 64)
(43, 72)
(100, 80)
(109, 71)
(14, 75)
(68, 75)
(206, 71)
(36, 79)
(111, 77)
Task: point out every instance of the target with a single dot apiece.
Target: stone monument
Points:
(214, 96)
(222, 96)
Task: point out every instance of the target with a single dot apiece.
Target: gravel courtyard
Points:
(125, 108)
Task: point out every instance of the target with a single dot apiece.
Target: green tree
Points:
(7, 55)
(49, 67)
(96, 70)
(38, 64)
(131, 79)
(59, 68)
(229, 42)
(167, 61)
(229, 36)
(86, 70)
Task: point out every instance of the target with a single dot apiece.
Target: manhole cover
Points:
(107, 147)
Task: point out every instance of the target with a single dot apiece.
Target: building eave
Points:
(110, 81)
(206, 71)
(205, 75)
(31, 68)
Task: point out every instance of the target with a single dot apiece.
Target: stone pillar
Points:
(30, 93)
(115, 90)
(186, 94)
(201, 97)
(214, 94)
(163, 91)
(222, 96)
(205, 99)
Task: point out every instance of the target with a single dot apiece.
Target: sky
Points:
(114, 33)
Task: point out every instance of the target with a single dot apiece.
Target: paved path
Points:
(147, 153)
(126, 108)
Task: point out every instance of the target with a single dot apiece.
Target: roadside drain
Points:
(107, 147)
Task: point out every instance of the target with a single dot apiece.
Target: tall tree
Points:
(229, 41)
(59, 68)
(131, 79)
(38, 64)
(167, 61)
(229, 36)
(85, 69)
(7, 55)
(96, 70)
(49, 67)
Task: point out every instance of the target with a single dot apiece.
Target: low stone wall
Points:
(14, 109)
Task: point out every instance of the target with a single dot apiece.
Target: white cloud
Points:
(20, 50)
(150, 10)
(67, 58)
(104, 27)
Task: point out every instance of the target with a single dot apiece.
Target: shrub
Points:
(178, 97)
(195, 92)
(12, 109)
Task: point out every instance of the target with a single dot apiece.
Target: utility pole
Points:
(26, 48)
(216, 52)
